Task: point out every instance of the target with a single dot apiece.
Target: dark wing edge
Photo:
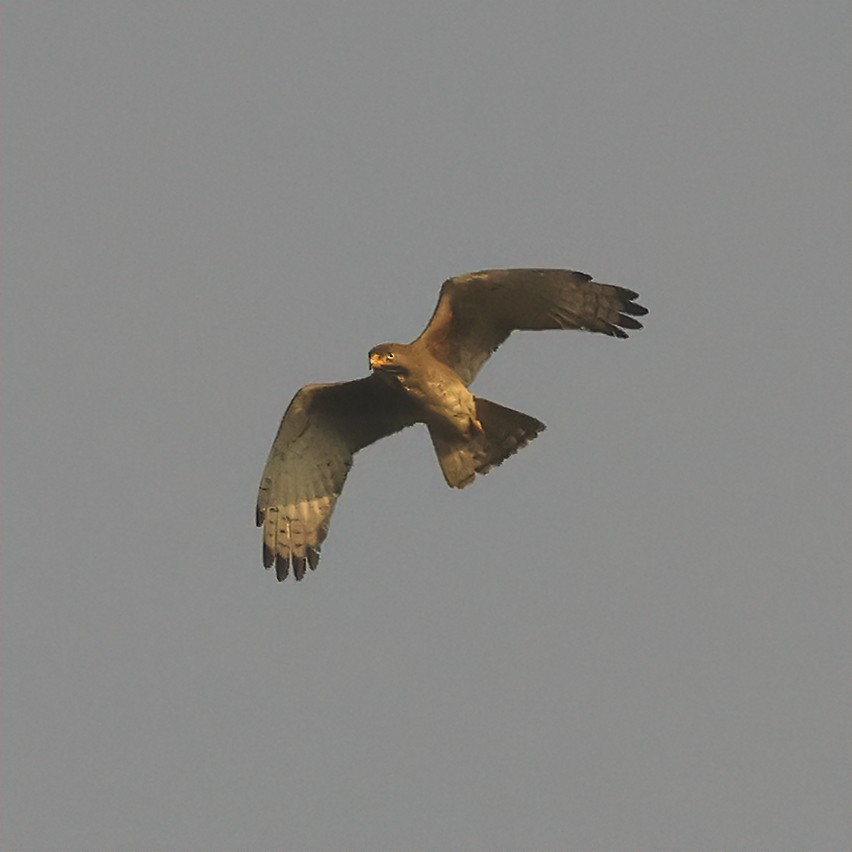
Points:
(478, 311)
(322, 429)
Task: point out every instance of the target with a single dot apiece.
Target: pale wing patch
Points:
(471, 276)
(299, 488)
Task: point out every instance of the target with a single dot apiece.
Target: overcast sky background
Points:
(633, 635)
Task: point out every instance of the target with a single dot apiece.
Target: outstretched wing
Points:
(323, 427)
(477, 312)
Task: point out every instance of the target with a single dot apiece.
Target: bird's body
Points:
(426, 381)
(437, 391)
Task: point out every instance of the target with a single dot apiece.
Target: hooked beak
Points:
(377, 361)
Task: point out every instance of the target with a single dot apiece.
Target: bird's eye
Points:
(390, 356)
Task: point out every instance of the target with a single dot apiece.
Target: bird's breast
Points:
(442, 401)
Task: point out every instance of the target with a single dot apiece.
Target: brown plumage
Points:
(425, 381)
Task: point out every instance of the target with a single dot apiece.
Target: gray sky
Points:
(633, 635)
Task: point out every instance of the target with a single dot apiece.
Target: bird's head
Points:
(389, 358)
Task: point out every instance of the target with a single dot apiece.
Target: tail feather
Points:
(505, 431)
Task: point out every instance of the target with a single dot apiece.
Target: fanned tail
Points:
(505, 431)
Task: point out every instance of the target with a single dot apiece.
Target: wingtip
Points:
(631, 306)
(298, 566)
(626, 321)
(627, 314)
(281, 567)
(313, 558)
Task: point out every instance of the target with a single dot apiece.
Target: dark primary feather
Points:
(478, 311)
(323, 427)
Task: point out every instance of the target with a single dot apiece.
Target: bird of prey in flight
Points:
(425, 381)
